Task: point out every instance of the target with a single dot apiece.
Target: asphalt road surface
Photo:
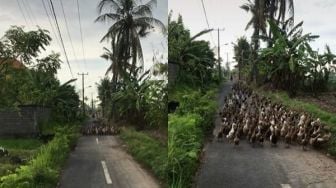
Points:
(101, 162)
(227, 166)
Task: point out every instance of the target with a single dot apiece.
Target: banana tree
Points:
(286, 58)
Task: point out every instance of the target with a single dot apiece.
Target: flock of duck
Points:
(255, 118)
(99, 128)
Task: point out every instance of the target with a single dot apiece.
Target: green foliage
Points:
(18, 44)
(142, 98)
(22, 148)
(184, 145)
(43, 170)
(290, 61)
(132, 20)
(32, 80)
(148, 151)
(195, 58)
(242, 52)
(186, 129)
(20, 143)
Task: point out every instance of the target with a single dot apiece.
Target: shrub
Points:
(148, 151)
(43, 170)
(184, 145)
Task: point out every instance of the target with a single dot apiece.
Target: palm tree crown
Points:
(132, 20)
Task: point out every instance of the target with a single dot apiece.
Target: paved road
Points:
(86, 165)
(226, 166)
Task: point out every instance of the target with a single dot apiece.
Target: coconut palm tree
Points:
(277, 10)
(258, 21)
(132, 20)
(261, 11)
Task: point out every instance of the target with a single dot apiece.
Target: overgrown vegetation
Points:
(288, 61)
(131, 94)
(44, 169)
(28, 79)
(147, 150)
(193, 91)
(20, 151)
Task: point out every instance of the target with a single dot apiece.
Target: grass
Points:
(20, 143)
(147, 150)
(42, 171)
(23, 148)
(187, 128)
(326, 117)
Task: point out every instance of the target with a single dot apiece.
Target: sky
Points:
(318, 17)
(29, 13)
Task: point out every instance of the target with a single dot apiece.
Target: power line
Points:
(81, 32)
(207, 21)
(31, 12)
(28, 13)
(24, 16)
(67, 28)
(51, 25)
(60, 36)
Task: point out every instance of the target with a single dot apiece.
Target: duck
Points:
(236, 139)
(253, 137)
(220, 135)
(304, 142)
(288, 139)
(273, 137)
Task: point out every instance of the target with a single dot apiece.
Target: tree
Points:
(261, 11)
(287, 60)
(34, 82)
(258, 21)
(242, 52)
(104, 95)
(21, 45)
(279, 8)
(195, 58)
(132, 21)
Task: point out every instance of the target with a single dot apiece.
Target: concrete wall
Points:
(23, 122)
(173, 70)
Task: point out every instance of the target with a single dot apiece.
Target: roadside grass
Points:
(20, 143)
(187, 128)
(42, 171)
(22, 148)
(326, 117)
(148, 151)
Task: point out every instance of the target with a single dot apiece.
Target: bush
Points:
(43, 170)
(184, 145)
(148, 151)
(186, 129)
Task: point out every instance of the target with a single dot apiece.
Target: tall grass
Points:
(148, 151)
(186, 130)
(20, 143)
(43, 170)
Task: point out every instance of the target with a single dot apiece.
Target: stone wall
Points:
(23, 122)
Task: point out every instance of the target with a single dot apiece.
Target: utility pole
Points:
(83, 103)
(92, 101)
(219, 58)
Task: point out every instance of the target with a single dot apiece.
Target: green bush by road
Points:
(186, 130)
(43, 170)
(147, 150)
